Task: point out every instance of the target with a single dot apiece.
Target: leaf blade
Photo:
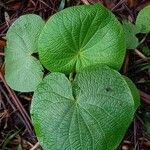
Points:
(23, 72)
(143, 20)
(79, 35)
(130, 34)
(83, 121)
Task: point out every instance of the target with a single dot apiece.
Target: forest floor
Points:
(16, 130)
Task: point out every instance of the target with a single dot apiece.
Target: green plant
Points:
(142, 25)
(143, 20)
(92, 110)
(23, 72)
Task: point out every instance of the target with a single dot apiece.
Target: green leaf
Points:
(91, 113)
(146, 50)
(143, 20)
(130, 32)
(23, 72)
(81, 36)
(134, 91)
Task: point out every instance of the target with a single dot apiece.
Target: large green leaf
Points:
(81, 36)
(91, 113)
(143, 20)
(23, 72)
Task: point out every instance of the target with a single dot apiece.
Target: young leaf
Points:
(91, 113)
(143, 20)
(130, 32)
(23, 72)
(81, 36)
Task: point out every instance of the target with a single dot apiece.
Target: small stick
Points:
(32, 2)
(145, 97)
(11, 104)
(19, 106)
(144, 38)
(45, 4)
(126, 65)
(7, 98)
(140, 55)
(135, 132)
(85, 2)
(2, 54)
(35, 146)
(118, 4)
(7, 18)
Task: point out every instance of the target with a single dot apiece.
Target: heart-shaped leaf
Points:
(143, 20)
(81, 36)
(23, 72)
(91, 113)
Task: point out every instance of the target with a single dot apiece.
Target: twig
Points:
(1, 102)
(7, 19)
(7, 98)
(126, 65)
(19, 106)
(118, 4)
(35, 146)
(144, 38)
(33, 3)
(85, 2)
(45, 4)
(140, 55)
(130, 12)
(10, 103)
(135, 132)
(145, 97)
(2, 54)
